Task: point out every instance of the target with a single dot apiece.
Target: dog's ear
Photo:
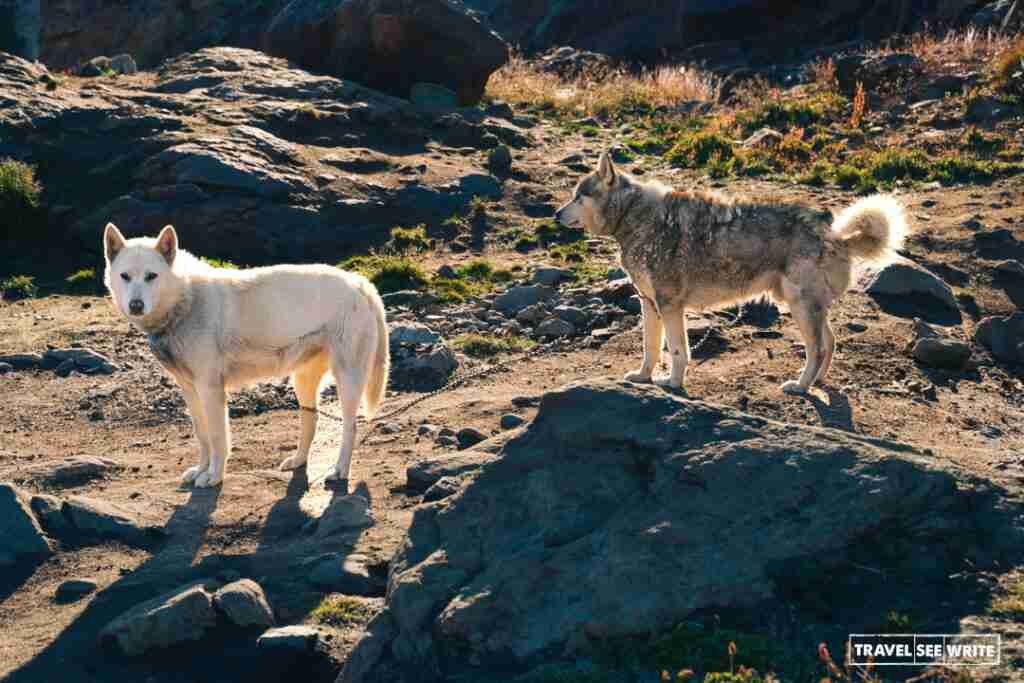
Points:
(167, 244)
(606, 169)
(113, 242)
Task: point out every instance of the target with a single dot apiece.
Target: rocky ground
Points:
(256, 161)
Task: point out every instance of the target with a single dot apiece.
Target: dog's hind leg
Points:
(307, 390)
(214, 401)
(828, 347)
(654, 332)
(351, 386)
(808, 315)
(198, 415)
(678, 345)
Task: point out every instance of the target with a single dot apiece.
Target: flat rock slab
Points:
(74, 471)
(623, 509)
(293, 640)
(424, 474)
(92, 518)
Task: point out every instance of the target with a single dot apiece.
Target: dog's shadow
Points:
(836, 413)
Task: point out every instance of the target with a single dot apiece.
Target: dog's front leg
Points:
(678, 346)
(198, 414)
(654, 333)
(213, 398)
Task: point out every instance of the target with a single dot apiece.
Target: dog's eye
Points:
(126, 277)
(150, 277)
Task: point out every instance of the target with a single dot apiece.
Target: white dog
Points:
(214, 329)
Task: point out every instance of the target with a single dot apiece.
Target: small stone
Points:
(576, 317)
(345, 574)
(20, 533)
(555, 327)
(290, 639)
(123, 64)
(511, 421)
(499, 160)
(441, 489)
(183, 615)
(244, 604)
(469, 437)
(942, 353)
(74, 589)
(550, 276)
(345, 513)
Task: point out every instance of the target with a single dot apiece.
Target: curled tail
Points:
(381, 362)
(873, 228)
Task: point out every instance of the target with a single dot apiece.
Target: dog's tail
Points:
(380, 366)
(873, 228)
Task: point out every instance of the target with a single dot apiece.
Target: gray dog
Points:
(693, 250)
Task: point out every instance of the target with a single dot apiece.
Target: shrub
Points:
(480, 346)
(1009, 68)
(388, 273)
(695, 150)
(19, 196)
(18, 287)
(218, 263)
(410, 239)
(340, 610)
(83, 280)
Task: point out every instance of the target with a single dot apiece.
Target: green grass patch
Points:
(784, 114)
(18, 287)
(706, 648)
(218, 263)
(574, 252)
(340, 610)
(83, 281)
(388, 273)
(481, 346)
(410, 239)
(549, 231)
(695, 150)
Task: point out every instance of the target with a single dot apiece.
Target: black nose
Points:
(135, 306)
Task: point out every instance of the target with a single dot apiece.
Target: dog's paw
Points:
(793, 388)
(667, 382)
(191, 474)
(638, 377)
(207, 480)
(292, 463)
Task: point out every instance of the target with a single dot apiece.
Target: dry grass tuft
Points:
(966, 45)
(599, 94)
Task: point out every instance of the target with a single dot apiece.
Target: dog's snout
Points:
(136, 307)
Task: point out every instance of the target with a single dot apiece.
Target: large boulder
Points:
(20, 22)
(252, 159)
(75, 31)
(622, 509)
(646, 27)
(390, 45)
